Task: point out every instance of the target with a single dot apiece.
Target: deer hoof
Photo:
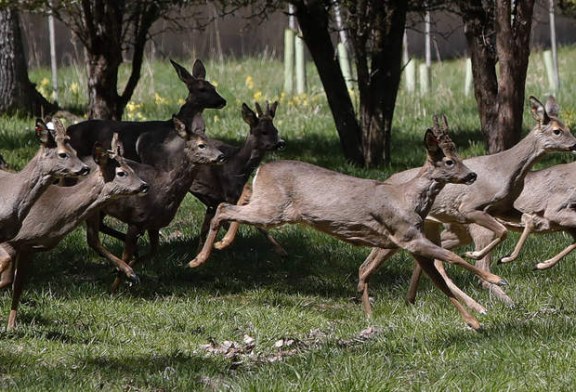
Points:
(473, 255)
(504, 260)
(133, 279)
(195, 263)
(503, 282)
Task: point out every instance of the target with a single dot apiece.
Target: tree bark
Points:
(499, 34)
(17, 93)
(377, 28)
(313, 20)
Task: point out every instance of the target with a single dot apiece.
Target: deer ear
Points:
(272, 109)
(116, 145)
(431, 142)
(198, 70)
(538, 111)
(182, 73)
(41, 130)
(99, 154)
(180, 127)
(552, 107)
(249, 116)
(198, 125)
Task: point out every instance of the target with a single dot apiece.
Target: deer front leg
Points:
(430, 270)
(554, 260)
(228, 238)
(462, 296)
(130, 246)
(93, 239)
(23, 262)
(372, 262)
(485, 220)
(529, 227)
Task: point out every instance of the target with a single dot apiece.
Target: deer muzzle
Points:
(280, 145)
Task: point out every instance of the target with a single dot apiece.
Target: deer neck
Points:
(187, 113)
(518, 159)
(247, 159)
(421, 191)
(32, 182)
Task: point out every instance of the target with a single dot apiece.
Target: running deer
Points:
(157, 209)
(19, 191)
(359, 211)
(201, 95)
(500, 181)
(223, 183)
(60, 210)
(547, 204)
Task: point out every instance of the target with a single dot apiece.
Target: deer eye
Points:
(121, 173)
(449, 162)
(62, 155)
(201, 146)
(557, 131)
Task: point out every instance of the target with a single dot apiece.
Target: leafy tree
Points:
(109, 30)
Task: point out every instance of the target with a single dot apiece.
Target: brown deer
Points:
(19, 191)
(61, 209)
(547, 205)
(359, 211)
(201, 95)
(500, 181)
(157, 209)
(223, 183)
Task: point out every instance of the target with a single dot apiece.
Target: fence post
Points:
(288, 61)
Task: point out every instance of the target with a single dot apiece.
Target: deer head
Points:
(58, 158)
(442, 155)
(262, 128)
(553, 134)
(201, 93)
(199, 149)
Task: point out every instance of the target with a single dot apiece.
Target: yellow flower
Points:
(214, 83)
(249, 82)
(181, 101)
(159, 100)
(44, 82)
(216, 118)
(257, 95)
(74, 88)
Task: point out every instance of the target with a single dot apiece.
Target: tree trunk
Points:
(313, 20)
(377, 29)
(498, 32)
(17, 93)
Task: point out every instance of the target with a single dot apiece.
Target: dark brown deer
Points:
(223, 183)
(19, 191)
(359, 211)
(500, 182)
(201, 95)
(157, 209)
(60, 210)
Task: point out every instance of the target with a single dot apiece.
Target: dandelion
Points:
(74, 88)
(257, 95)
(216, 118)
(214, 83)
(181, 101)
(159, 100)
(249, 82)
(132, 110)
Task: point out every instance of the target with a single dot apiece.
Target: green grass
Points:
(73, 335)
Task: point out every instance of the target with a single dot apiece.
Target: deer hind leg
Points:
(23, 262)
(7, 266)
(432, 232)
(93, 239)
(372, 262)
(130, 247)
(554, 260)
(529, 227)
(430, 270)
(462, 296)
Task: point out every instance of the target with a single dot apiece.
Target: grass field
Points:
(250, 320)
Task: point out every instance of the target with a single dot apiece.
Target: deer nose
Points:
(221, 103)
(84, 171)
(221, 158)
(144, 188)
(280, 145)
(470, 178)
(573, 147)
